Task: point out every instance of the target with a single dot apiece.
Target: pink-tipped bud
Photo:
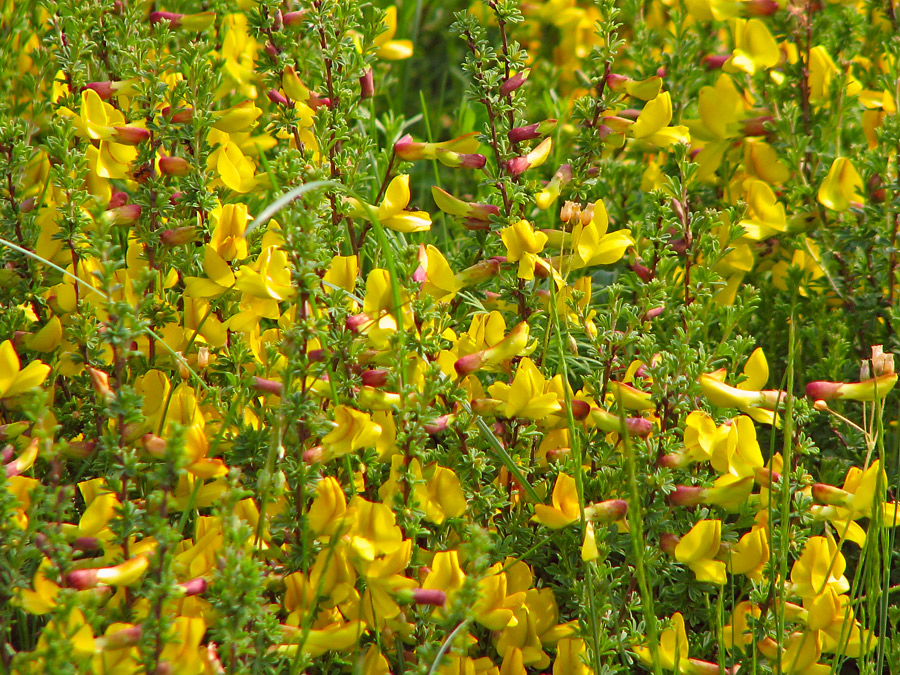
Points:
(408, 149)
(714, 61)
(121, 639)
(514, 82)
(517, 166)
(367, 85)
(27, 205)
(438, 425)
(429, 596)
(105, 90)
(174, 166)
(760, 7)
(265, 386)
(178, 116)
(124, 574)
(822, 390)
(580, 409)
(277, 97)
(86, 543)
(479, 272)
(293, 18)
(173, 18)
(100, 382)
(686, 495)
(194, 586)
(154, 445)
(129, 135)
(755, 126)
(117, 199)
(469, 364)
(608, 511)
(643, 273)
(357, 322)
(313, 455)
(178, 236)
(458, 160)
(651, 314)
(531, 131)
(764, 476)
(122, 215)
(668, 542)
(617, 82)
(828, 494)
(638, 426)
(376, 377)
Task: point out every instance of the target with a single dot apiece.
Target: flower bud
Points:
(293, 18)
(265, 386)
(174, 166)
(357, 322)
(121, 639)
(439, 425)
(714, 61)
(456, 160)
(531, 131)
(429, 596)
(668, 542)
(196, 22)
(277, 97)
(154, 445)
(100, 383)
(760, 7)
(194, 586)
(607, 512)
(313, 455)
(686, 495)
(755, 126)
(375, 377)
(867, 390)
(178, 236)
(514, 82)
(828, 494)
(130, 135)
(367, 85)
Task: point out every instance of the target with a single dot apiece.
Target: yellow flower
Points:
(528, 395)
(842, 186)
(565, 509)
(228, 234)
(653, 123)
(820, 566)
(353, 430)
(755, 48)
(14, 379)
(392, 212)
(522, 245)
(698, 549)
(389, 48)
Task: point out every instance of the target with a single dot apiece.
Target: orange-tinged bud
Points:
(174, 166)
(828, 494)
(130, 135)
(100, 382)
(608, 511)
(154, 445)
(178, 236)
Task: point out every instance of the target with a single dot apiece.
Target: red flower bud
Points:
(367, 85)
(128, 135)
(267, 386)
(429, 596)
(580, 409)
(178, 236)
(194, 586)
(277, 97)
(514, 82)
(173, 18)
(122, 215)
(826, 391)
(668, 542)
(760, 7)
(375, 377)
(714, 61)
(174, 166)
(644, 273)
(442, 423)
(686, 495)
(293, 18)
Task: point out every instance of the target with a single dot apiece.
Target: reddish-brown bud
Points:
(277, 97)
(429, 596)
(293, 18)
(756, 126)
(367, 85)
(174, 166)
(580, 409)
(668, 542)
(686, 495)
(129, 135)
(651, 314)
(313, 455)
(173, 18)
(438, 425)
(375, 377)
(826, 391)
(828, 494)
(194, 586)
(644, 273)
(265, 386)
(178, 236)
(357, 322)
(514, 82)
(760, 7)
(122, 215)
(607, 511)
(714, 61)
